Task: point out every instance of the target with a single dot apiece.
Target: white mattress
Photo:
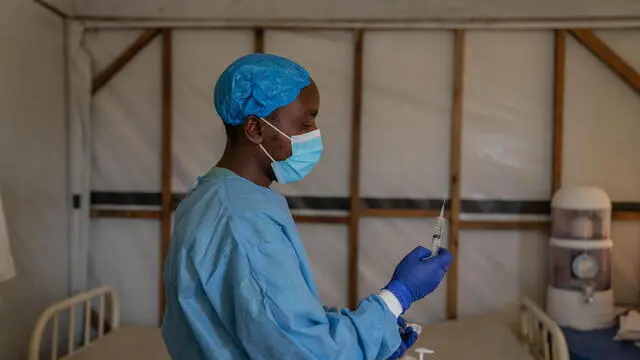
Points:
(487, 337)
(129, 342)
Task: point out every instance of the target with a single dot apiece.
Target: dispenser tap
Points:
(588, 289)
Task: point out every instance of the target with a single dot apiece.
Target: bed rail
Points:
(70, 306)
(540, 335)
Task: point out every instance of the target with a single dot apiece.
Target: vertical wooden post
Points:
(558, 109)
(354, 213)
(167, 112)
(258, 40)
(456, 155)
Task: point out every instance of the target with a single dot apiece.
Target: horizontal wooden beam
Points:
(609, 57)
(541, 225)
(626, 215)
(321, 219)
(383, 213)
(128, 214)
(156, 214)
(123, 59)
(400, 213)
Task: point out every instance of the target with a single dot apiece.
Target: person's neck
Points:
(245, 165)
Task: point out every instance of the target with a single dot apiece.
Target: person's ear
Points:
(253, 130)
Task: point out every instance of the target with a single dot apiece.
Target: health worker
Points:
(238, 280)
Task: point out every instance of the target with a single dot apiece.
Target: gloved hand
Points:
(418, 275)
(408, 336)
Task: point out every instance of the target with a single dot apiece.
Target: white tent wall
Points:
(383, 243)
(507, 125)
(328, 55)
(357, 9)
(195, 69)
(506, 130)
(602, 120)
(125, 148)
(33, 163)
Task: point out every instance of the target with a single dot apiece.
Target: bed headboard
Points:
(542, 336)
(105, 298)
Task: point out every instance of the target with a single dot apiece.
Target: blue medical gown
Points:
(239, 285)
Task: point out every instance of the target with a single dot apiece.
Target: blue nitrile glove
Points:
(418, 275)
(408, 336)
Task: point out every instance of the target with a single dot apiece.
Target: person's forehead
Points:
(306, 103)
(310, 93)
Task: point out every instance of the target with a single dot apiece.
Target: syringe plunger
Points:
(436, 239)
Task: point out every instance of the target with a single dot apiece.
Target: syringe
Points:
(436, 238)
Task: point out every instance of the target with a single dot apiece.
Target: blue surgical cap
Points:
(257, 84)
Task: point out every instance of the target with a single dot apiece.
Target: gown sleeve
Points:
(263, 299)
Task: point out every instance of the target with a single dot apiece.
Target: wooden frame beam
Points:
(541, 225)
(98, 212)
(456, 157)
(258, 40)
(401, 213)
(123, 59)
(53, 9)
(321, 219)
(609, 57)
(356, 128)
(126, 214)
(626, 215)
(167, 154)
(558, 109)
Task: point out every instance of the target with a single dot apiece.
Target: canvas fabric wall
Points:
(506, 153)
(33, 162)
